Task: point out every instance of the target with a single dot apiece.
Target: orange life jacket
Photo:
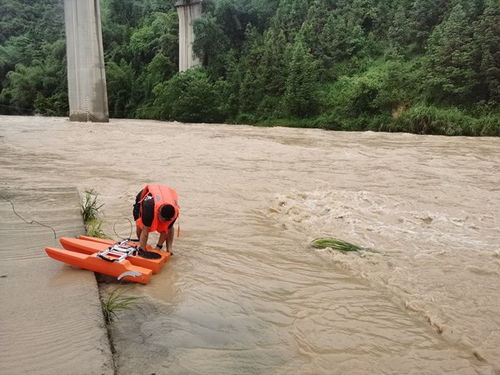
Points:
(162, 195)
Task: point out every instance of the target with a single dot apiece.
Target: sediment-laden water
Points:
(244, 292)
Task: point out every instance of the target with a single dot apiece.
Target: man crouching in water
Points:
(156, 209)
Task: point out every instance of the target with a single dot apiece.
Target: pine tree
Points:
(289, 17)
(211, 44)
(250, 83)
(120, 84)
(362, 13)
(488, 40)
(313, 27)
(302, 82)
(340, 39)
(272, 69)
(384, 16)
(424, 15)
(451, 58)
(398, 33)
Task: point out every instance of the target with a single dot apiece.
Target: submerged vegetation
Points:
(424, 66)
(336, 244)
(91, 214)
(90, 207)
(116, 302)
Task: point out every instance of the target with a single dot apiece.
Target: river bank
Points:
(50, 314)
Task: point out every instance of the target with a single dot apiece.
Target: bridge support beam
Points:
(188, 11)
(88, 100)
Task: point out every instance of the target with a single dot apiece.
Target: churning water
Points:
(244, 292)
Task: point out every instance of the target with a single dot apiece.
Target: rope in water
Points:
(26, 221)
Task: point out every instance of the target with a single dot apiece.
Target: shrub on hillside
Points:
(488, 126)
(423, 119)
(190, 97)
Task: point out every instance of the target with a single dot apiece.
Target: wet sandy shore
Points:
(50, 315)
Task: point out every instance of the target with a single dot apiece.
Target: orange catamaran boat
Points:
(119, 259)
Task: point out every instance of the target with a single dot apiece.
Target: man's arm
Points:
(147, 216)
(167, 238)
(161, 240)
(143, 240)
(170, 238)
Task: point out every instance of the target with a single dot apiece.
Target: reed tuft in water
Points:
(90, 207)
(336, 244)
(94, 229)
(91, 214)
(115, 302)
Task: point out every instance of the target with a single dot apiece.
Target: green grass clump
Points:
(90, 208)
(91, 214)
(94, 229)
(115, 302)
(427, 119)
(335, 244)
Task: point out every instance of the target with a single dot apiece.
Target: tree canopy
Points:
(422, 66)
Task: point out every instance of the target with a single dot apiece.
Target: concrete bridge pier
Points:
(87, 94)
(188, 11)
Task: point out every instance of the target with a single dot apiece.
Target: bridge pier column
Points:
(88, 100)
(188, 11)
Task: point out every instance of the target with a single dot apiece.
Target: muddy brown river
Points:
(245, 293)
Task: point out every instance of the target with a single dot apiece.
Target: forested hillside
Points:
(422, 66)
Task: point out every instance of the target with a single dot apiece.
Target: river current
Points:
(245, 293)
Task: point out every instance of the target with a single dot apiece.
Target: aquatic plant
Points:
(94, 229)
(335, 244)
(91, 214)
(90, 207)
(115, 302)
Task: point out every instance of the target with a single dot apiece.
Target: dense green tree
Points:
(362, 13)
(125, 12)
(314, 26)
(400, 85)
(39, 21)
(271, 72)
(424, 15)
(302, 81)
(39, 86)
(341, 40)
(211, 44)
(451, 52)
(289, 17)
(159, 70)
(120, 84)
(31, 62)
(190, 97)
(398, 33)
(487, 39)
(398, 65)
(158, 33)
(248, 90)
(383, 18)
(358, 94)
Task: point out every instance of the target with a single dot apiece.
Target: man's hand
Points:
(138, 250)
